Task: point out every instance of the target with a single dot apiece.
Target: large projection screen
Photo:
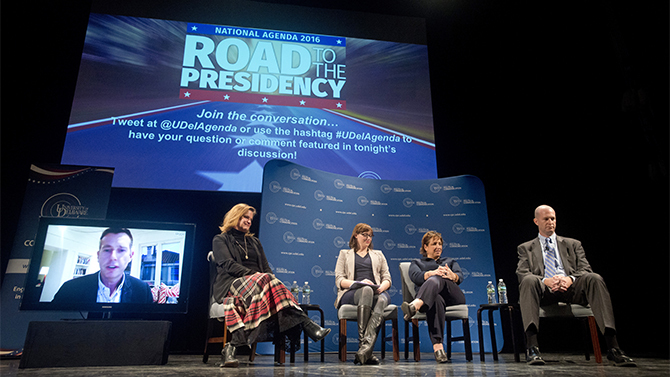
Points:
(192, 104)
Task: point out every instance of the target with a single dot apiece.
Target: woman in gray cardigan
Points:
(362, 277)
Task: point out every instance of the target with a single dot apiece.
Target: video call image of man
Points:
(110, 284)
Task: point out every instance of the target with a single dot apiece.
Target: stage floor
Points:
(192, 365)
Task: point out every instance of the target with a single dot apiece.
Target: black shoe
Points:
(533, 356)
(409, 310)
(314, 331)
(229, 360)
(619, 358)
(441, 357)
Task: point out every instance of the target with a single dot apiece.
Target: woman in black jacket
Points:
(438, 279)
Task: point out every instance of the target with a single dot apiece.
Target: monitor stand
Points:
(96, 343)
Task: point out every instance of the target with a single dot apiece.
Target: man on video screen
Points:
(110, 284)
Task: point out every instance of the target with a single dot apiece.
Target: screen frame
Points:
(31, 295)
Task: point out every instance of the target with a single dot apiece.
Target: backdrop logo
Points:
(274, 186)
(362, 201)
(318, 224)
(369, 174)
(385, 188)
(435, 188)
(410, 229)
(63, 205)
(458, 228)
(317, 271)
(295, 174)
(289, 237)
(338, 183)
(389, 244)
(408, 202)
(271, 218)
(319, 195)
(339, 242)
(392, 290)
(455, 201)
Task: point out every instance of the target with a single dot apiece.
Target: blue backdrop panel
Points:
(307, 217)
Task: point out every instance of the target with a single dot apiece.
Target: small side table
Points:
(306, 308)
(494, 347)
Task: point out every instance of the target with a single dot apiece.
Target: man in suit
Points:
(554, 269)
(110, 284)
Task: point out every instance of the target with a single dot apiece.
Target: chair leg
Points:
(383, 329)
(280, 349)
(594, 339)
(467, 343)
(406, 340)
(448, 339)
(586, 337)
(343, 340)
(210, 328)
(223, 339)
(415, 340)
(394, 339)
(292, 348)
(252, 355)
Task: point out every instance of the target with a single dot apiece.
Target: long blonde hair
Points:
(232, 217)
(358, 229)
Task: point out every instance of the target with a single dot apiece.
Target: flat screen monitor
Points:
(202, 100)
(94, 265)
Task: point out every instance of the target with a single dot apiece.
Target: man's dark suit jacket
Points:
(588, 288)
(85, 289)
(531, 261)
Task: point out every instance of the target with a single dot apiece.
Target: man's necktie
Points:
(550, 260)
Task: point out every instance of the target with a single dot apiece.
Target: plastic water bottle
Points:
(491, 292)
(306, 291)
(502, 291)
(295, 289)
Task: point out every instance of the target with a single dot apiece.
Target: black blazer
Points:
(85, 289)
(228, 258)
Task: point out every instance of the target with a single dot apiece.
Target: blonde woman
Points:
(257, 306)
(362, 277)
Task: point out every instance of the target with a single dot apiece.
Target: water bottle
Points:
(295, 289)
(306, 291)
(502, 291)
(491, 292)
